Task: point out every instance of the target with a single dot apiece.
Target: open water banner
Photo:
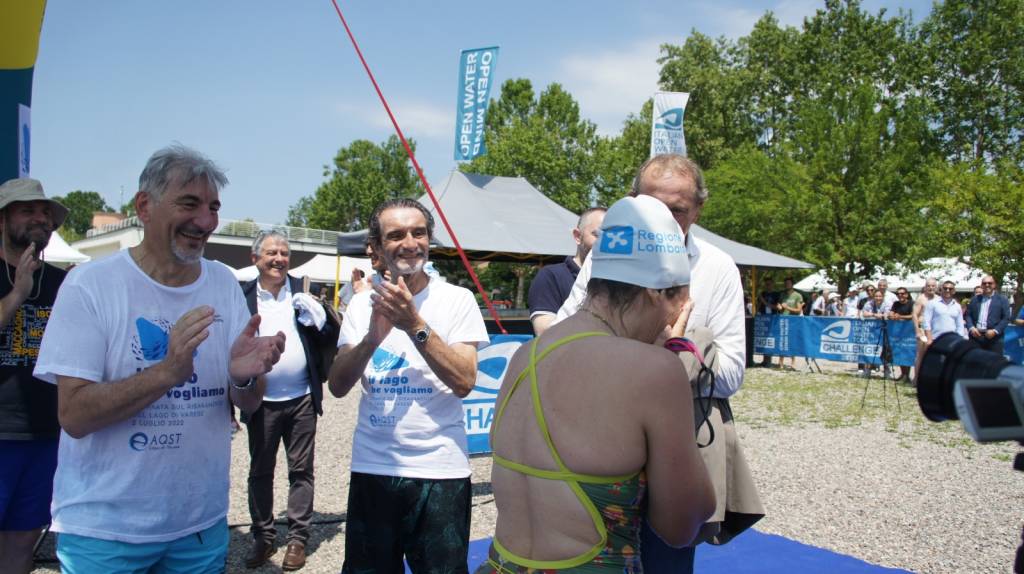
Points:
(476, 72)
(478, 406)
(667, 123)
(20, 24)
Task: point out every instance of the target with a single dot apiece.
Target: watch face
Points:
(421, 336)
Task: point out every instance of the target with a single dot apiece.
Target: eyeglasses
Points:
(988, 282)
(902, 293)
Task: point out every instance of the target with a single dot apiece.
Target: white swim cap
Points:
(641, 244)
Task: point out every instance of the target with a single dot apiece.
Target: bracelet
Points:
(247, 386)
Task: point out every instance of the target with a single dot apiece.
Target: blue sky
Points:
(272, 89)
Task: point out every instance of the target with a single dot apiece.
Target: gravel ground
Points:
(879, 484)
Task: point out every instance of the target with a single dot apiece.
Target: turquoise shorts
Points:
(204, 552)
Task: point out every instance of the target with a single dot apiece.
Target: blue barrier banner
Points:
(834, 338)
(850, 340)
(476, 68)
(478, 406)
(1013, 345)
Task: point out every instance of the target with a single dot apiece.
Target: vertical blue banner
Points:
(476, 68)
(478, 406)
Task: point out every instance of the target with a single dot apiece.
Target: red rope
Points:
(416, 165)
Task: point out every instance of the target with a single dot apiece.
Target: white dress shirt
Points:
(289, 378)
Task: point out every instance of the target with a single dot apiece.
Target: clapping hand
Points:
(28, 263)
(188, 332)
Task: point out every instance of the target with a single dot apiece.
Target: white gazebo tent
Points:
(321, 269)
(59, 253)
(940, 268)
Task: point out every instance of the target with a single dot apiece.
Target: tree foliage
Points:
(81, 205)
(364, 174)
(979, 213)
(975, 53)
(817, 140)
(542, 139)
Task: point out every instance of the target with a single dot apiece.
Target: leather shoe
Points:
(260, 552)
(294, 556)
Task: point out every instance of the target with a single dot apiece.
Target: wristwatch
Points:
(420, 336)
(245, 386)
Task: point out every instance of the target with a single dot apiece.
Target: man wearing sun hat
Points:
(28, 406)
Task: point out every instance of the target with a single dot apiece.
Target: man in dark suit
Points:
(292, 401)
(988, 314)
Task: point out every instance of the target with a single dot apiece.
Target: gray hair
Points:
(676, 164)
(181, 165)
(257, 244)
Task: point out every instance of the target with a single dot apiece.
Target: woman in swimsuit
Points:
(594, 425)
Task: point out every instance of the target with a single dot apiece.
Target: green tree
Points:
(718, 117)
(979, 215)
(542, 139)
(81, 205)
(364, 175)
(819, 143)
(617, 158)
(975, 50)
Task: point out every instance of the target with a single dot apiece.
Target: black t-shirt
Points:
(28, 406)
(551, 286)
(905, 308)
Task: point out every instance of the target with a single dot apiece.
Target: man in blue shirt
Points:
(943, 314)
(552, 285)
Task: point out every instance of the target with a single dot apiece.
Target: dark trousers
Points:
(295, 422)
(426, 520)
(994, 344)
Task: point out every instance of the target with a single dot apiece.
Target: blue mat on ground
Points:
(752, 552)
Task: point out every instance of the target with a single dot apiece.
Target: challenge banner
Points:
(667, 123)
(834, 338)
(478, 406)
(476, 68)
(20, 24)
(850, 340)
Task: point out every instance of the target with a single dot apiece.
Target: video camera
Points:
(960, 380)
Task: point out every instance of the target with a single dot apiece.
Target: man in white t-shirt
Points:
(411, 345)
(147, 347)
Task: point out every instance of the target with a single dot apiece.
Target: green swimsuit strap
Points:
(563, 473)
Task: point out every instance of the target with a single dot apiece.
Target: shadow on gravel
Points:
(482, 489)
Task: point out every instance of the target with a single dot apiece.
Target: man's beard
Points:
(188, 256)
(38, 234)
(399, 267)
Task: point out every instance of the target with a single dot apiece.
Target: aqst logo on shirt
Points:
(618, 239)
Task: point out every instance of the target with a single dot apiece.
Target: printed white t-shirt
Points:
(163, 473)
(410, 423)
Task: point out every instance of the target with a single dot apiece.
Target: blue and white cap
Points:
(641, 244)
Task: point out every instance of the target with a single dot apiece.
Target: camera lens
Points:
(949, 359)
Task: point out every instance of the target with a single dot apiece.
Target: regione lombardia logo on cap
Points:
(618, 239)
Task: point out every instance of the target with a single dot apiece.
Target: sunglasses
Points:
(949, 288)
(988, 283)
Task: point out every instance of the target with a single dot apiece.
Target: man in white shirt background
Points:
(291, 403)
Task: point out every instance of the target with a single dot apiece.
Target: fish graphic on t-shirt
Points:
(384, 361)
(152, 339)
